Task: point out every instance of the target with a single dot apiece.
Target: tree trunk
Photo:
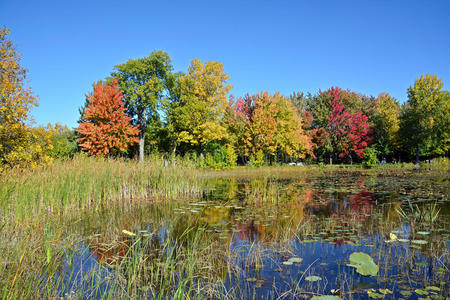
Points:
(417, 155)
(141, 136)
(141, 146)
(331, 160)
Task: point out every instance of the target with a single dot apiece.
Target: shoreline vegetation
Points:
(39, 206)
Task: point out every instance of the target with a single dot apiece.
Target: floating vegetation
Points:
(326, 297)
(364, 264)
(419, 242)
(313, 278)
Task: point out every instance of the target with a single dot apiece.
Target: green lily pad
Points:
(423, 232)
(287, 263)
(385, 291)
(406, 293)
(419, 242)
(374, 295)
(433, 288)
(251, 279)
(326, 297)
(421, 292)
(296, 259)
(365, 264)
(313, 278)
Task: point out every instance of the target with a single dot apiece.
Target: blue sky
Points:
(367, 46)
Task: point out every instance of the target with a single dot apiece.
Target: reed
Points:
(88, 183)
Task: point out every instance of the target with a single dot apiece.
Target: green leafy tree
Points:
(64, 141)
(425, 117)
(196, 112)
(145, 84)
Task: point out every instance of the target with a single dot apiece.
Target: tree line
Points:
(145, 107)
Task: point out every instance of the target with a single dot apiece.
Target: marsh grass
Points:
(36, 205)
(88, 183)
(53, 216)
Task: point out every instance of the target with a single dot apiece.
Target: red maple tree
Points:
(347, 132)
(105, 128)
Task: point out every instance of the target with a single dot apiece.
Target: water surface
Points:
(286, 236)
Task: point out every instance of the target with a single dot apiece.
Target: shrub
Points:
(257, 160)
(63, 140)
(370, 158)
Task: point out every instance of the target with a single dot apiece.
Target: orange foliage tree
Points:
(104, 127)
(267, 123)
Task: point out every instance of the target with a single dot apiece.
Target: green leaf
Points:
(420, 242)
(421, 292)
(374, 295)
(313, 278)
(365, 264)
(326, 297)
(296, 259)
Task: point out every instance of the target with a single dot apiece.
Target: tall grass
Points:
(92, 182)
(36, 205)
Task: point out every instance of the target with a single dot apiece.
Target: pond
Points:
(345, 234)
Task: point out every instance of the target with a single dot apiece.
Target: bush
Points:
(64, 142)
(370, 158)
(257, 160)
(217, 157)
(231, 156)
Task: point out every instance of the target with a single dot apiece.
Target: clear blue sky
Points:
(369, 46)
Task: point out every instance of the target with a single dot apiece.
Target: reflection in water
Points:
(257, 224)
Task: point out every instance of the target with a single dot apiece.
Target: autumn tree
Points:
(346, 133)
(387, 125)
(196, 112)
(20, 144)
(267, 123)
(105, 128)
(425, 119)
(145, 83)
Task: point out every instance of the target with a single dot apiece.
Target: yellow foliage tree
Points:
(387, 124)
(20, 145)
(197, 112)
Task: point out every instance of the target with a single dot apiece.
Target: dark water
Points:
(290, 237)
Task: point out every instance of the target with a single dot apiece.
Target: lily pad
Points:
(421, 292)
(385, 291)
(374, 295)
(365, 264)
(326, 297)
(419, 242)
(287, 263)
(313, 278)
(405, 293)
(296, 259)
(433, 288)
(423, 232)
